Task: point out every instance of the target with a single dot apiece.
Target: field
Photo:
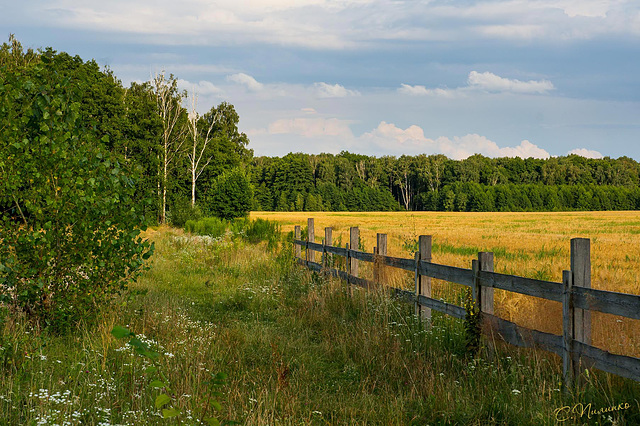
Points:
(535, 245)
(298, 348)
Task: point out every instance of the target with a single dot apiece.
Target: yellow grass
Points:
(535, 245)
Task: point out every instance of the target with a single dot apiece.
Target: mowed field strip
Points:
(528, 244)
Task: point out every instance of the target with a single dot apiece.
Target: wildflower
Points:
(516, 392)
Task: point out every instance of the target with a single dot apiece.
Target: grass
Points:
(298, 348)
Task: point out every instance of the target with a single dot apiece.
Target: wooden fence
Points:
(574, 292)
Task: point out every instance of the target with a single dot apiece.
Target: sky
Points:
(527, 78)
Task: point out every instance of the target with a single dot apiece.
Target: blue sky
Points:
(533, 78)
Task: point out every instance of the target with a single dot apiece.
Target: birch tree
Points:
(169, 108)
(402, 178)
(199, 144)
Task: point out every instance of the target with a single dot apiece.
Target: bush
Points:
(230, 195)
(182, 211)
(69, 227)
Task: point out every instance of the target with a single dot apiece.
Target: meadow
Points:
(297, 347)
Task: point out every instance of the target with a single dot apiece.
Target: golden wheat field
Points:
(535, 245)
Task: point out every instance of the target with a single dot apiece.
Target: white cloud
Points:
(494, 83)
(324, 90)
(312, 127)
(202, 88)
(487, 82)
(423, 91)
(394, 140)
(587, 8)
(525, 150)
(587, 153)
(247, 81)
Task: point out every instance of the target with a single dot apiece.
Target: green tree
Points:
(141, 130)
(69, 225)
(230, 195)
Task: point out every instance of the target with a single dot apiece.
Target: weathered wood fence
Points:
(574, 292)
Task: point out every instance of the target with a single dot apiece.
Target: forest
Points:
(434, 182)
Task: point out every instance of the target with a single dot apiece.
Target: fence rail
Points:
(575, 293)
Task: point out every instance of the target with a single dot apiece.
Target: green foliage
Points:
(472, 324)
(252, 231)
(69, 225)
(182, 211)
(211, 226)
(230, 195)
(263, 230)
(298, 348)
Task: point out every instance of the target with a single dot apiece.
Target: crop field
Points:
(534, 245)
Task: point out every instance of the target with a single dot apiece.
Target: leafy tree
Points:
(230, 195)
(228, 148)
(69, 223)
(13, 56)
(141, 132)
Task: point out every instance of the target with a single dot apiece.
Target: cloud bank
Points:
(482, 82)
(342, 24)
(393, 140)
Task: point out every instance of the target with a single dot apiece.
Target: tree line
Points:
(434, 182)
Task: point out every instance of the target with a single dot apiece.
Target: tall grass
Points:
(299, 348)
(253, 231)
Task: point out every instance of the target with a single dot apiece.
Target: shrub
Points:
(182, 211)
(230, 195)
(69, 227)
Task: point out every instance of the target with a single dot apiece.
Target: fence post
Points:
(348, 261)
(475, 288)
(354, 243)
(311, 238)
(485, 263)
(581, 277)
(378, 267)
(567, 330)
(423, 283)
(298, 248)
(327, 242)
